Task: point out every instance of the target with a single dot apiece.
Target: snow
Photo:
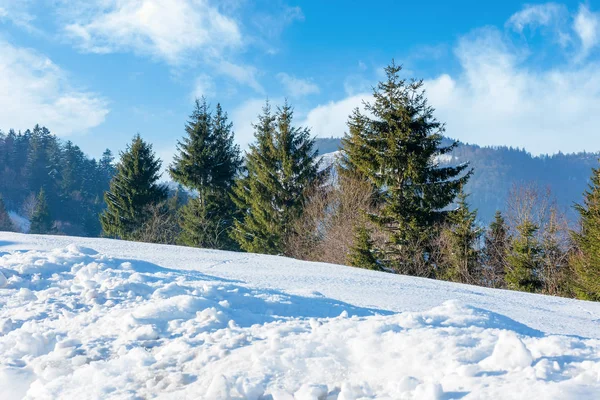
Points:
(97, 318)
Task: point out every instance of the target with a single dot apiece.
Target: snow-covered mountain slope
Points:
(96, 318)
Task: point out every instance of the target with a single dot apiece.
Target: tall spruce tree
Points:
(208, 161)
(5, 221)
(281, 166)
(585, 262)
(524, 259)
(462, 258)
(132, 190)
(41, 220)
(394, 145)
(495, 252)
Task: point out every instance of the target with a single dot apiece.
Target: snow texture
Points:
(97, 319)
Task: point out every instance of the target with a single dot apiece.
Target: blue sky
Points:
(99, 71)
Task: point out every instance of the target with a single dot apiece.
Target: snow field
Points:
(75, 323)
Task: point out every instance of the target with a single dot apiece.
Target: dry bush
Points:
(160, 227)
(530, 203)
(28, 206)
(325, 231)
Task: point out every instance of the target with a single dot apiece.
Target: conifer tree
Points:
(281, 166)
(394, 146)
(5, 221)
(41, 220)
(208, 161)
(585, 263)
(524, 259)
(361, 253)
(462, 235)
(132, 190)
(495, 252)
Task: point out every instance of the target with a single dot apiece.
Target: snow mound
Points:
(75, 323)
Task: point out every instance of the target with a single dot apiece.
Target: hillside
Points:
(497, 169)
(98, 318)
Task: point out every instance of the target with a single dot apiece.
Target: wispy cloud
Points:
(38, 91)
(537, 15)
(243, 74)
(165, 29)
(587, 27)
(297, 87)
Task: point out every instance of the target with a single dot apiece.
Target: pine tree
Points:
(462, 235)
(208, 161)
(524, 259)
(394, 146)
(133, 190)
(5, 221)
(495, 252)
(41, 221)
(585, 263)
(361, 253)
(281, 166)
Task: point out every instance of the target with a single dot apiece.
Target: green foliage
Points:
(281, 166)
(361, 253)
(585, 263)
(208, 161)
(462, 258)
(132, 191)
(525, 259)
(5, 221)
(495, 252)
(394, 146)
(41, 220)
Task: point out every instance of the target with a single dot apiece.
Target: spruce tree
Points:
(41, 220)
(524, 259)
(462, 258)
(394, 145)
(361, 253)
(5, 221)
(208, 161)
(132, 190)
(585, 263)
(281, 166)
(495, 252)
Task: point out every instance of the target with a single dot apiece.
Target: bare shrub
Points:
(324, 232)
(28, 206)
(160, 227)
(538, 206)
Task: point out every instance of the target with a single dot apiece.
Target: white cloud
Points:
(243, 74)
(203, 86)
(587, 27)
(536, 15)
(35, 90)
(166, 29)
(297, 87)
(497, 100)
(330, 119)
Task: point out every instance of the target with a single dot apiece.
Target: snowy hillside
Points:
(95, 318)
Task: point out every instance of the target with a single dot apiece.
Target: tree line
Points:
(51, 183)
(388, 204)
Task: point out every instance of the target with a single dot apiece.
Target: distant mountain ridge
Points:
(497, 169)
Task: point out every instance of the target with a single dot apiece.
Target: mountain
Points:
(497, 169)
(99, 318)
